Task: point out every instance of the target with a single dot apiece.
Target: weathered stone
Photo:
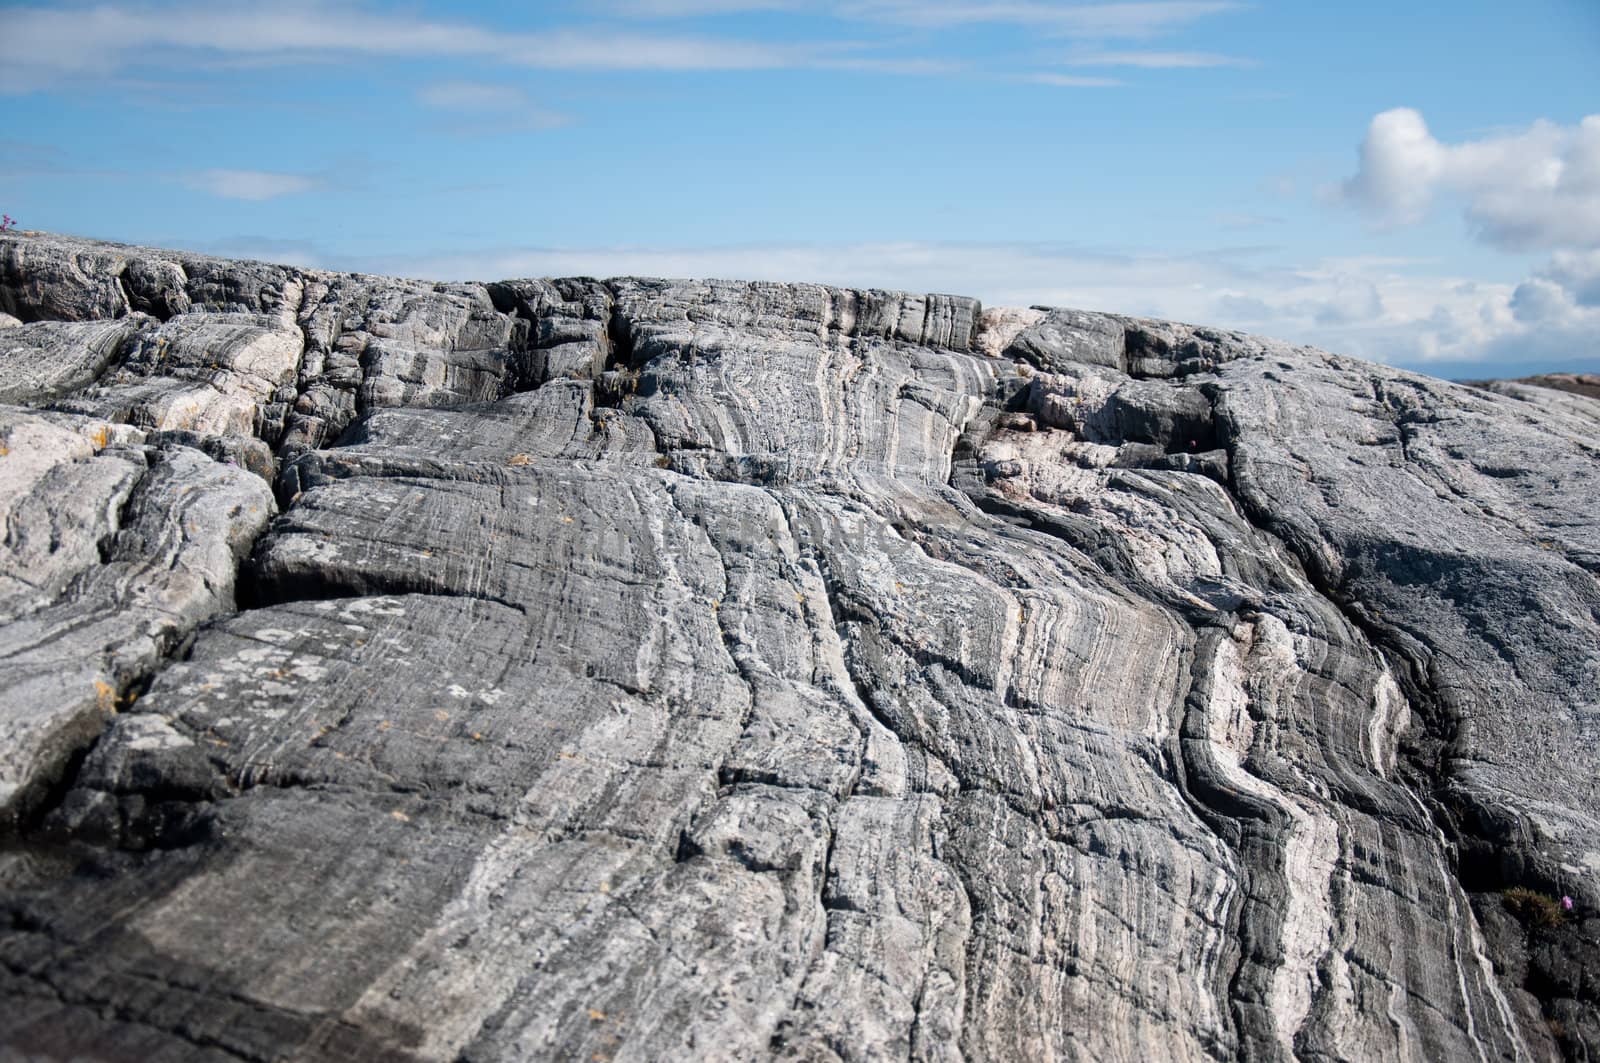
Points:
(113, 555)
(48, 359)
(708, 670)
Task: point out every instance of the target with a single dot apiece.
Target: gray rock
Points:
(48, 359)
(113, 555)
(646, 669)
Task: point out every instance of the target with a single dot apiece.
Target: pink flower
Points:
(1566, 903)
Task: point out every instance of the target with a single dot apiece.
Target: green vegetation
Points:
(1532, 907)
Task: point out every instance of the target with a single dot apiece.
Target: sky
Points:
(1418, 184)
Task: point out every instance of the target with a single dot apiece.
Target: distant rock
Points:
(1586, 384)
(643, 669)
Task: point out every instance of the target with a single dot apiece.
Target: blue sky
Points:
(1376, 178)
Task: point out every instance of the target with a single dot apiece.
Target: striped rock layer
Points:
(641, 669)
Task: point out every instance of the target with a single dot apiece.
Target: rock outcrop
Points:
(639, 669)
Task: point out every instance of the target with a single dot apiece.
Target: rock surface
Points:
(636, 669)
(1578, 383)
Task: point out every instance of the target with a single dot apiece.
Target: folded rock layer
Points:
(641, 669)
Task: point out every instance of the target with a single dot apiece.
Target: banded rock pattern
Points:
(642, 669)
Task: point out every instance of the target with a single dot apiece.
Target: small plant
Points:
(8, 224)
(1535, 908)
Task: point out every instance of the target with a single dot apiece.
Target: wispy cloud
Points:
(1106, 21)
(1096, 20)
(1073, 81)
(475, 108)
(254, 185)
(25, 159)
(46, 45)
(1158, 60)
(471, 96)
(302, 253)
(1536, 188)
(1245, 220)
(696, 8)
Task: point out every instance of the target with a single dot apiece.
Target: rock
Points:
(208, 374)
(49, 359)
(1586, 384)
(113, 555)
(660, 669)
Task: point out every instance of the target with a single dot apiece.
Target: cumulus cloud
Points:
(1565, 293)
(249, 184)
(1533, 189)
(1557, 314)
(1578, 274)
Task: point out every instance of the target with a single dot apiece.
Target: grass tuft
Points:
(1532, 907)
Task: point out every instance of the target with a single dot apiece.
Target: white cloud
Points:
(481, 109)
(1534, 189)
(1073, 81)
(1578, 274)
(46, 45)
(302, 253)
(471, 96)
(1558, 311)
(696, 8)
(1565, 294)
(249, 184)
(1236, 219)
(1097, 20)
(1065, 17)
(1158, 60)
